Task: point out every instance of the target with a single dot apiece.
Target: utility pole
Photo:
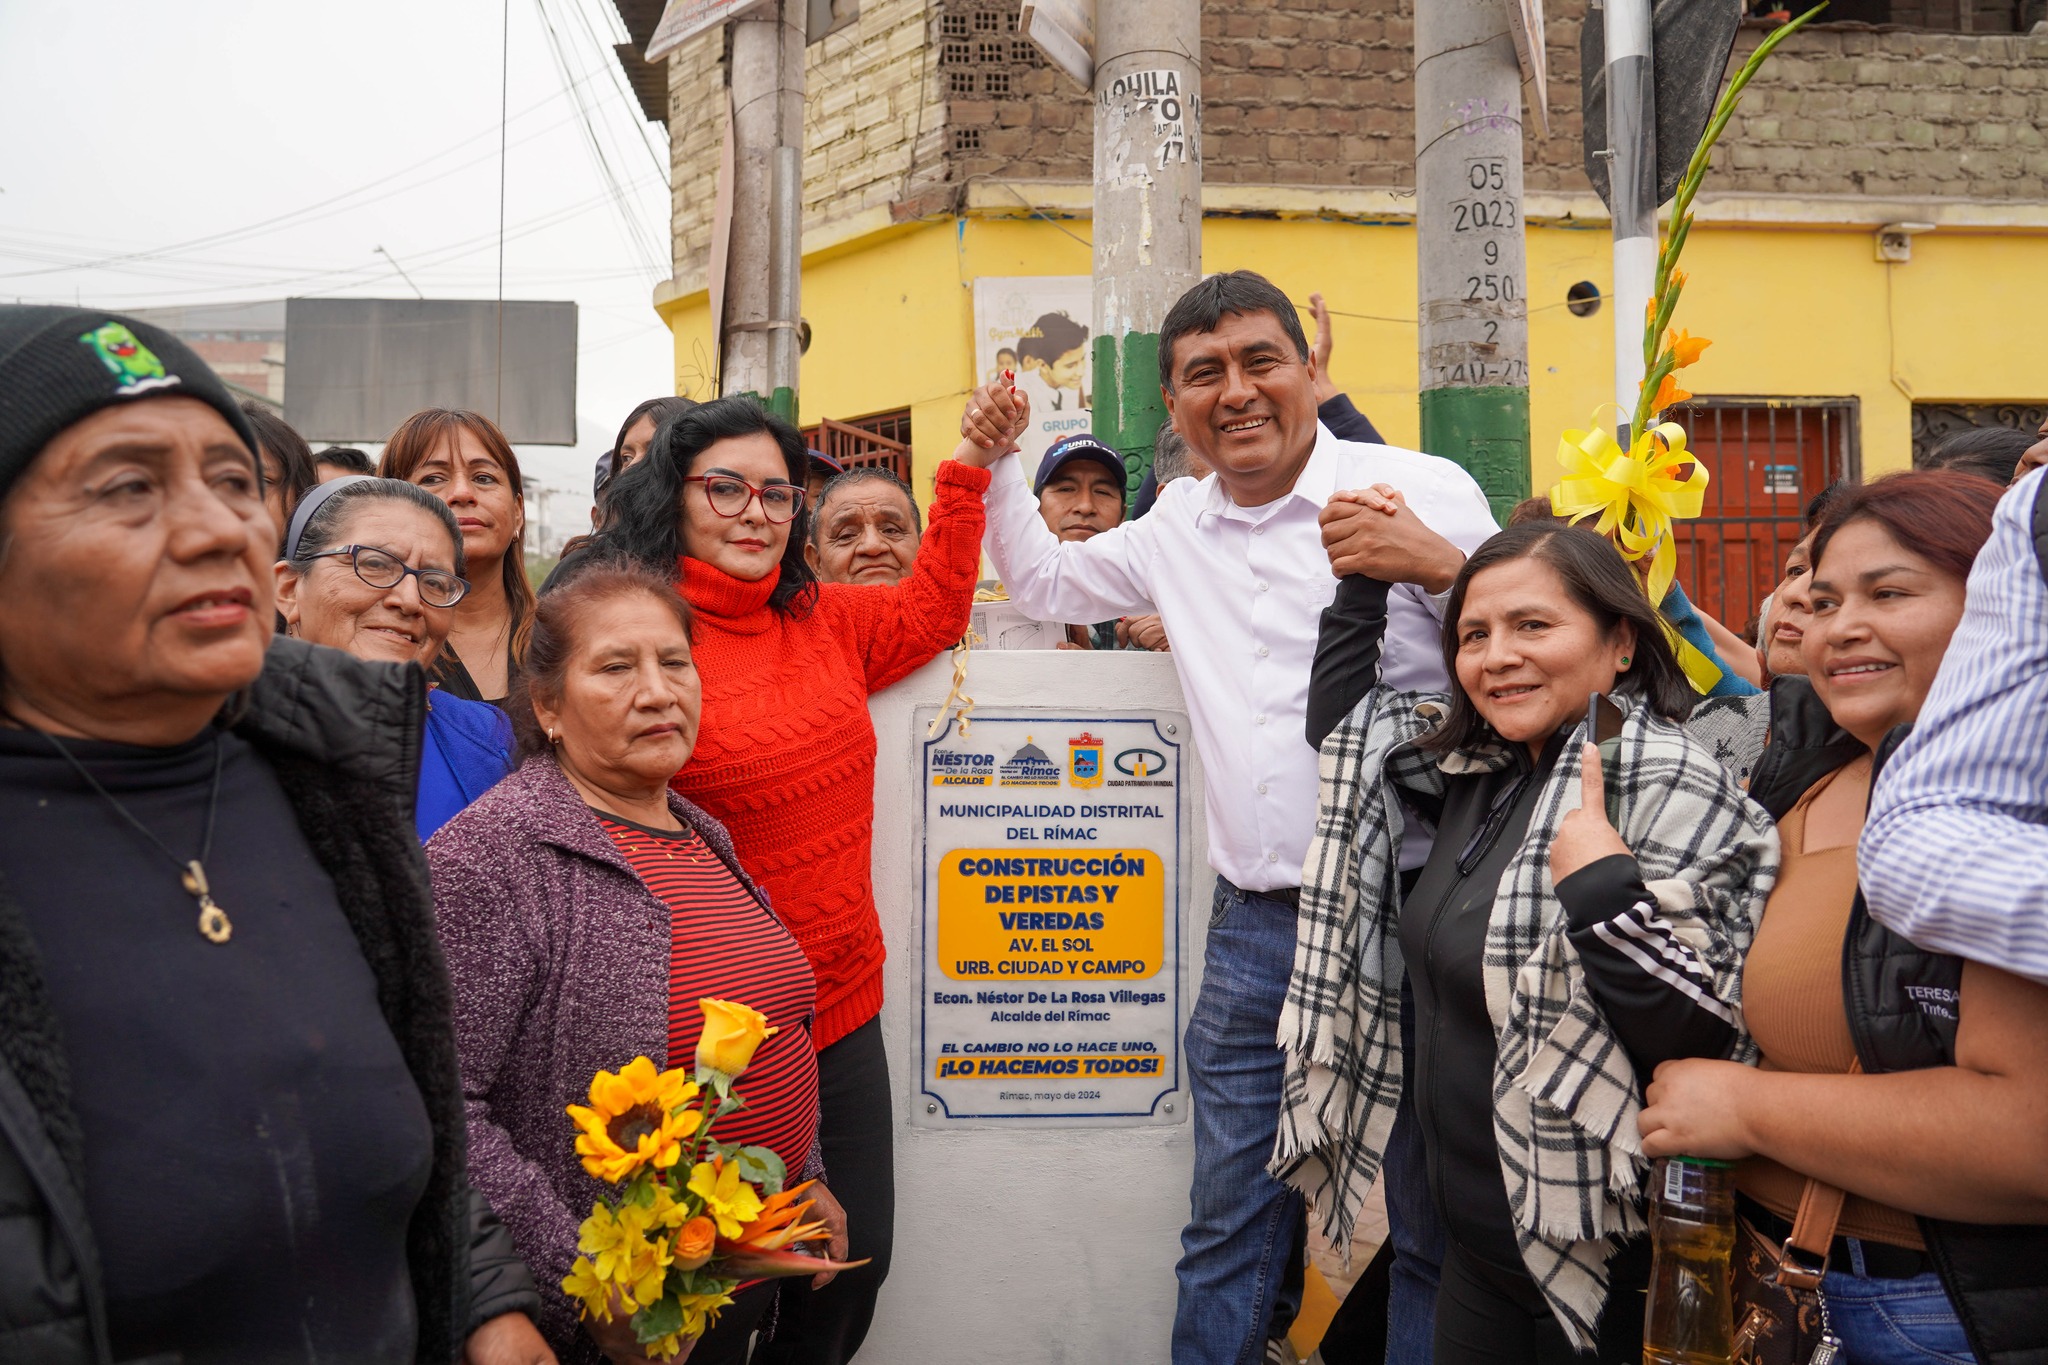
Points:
(1148, 208)
(1468, 227)
(758, 353)
(1631, 184)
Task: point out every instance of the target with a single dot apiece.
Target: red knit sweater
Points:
(785, 751)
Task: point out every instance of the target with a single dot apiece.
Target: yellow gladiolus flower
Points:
(731, 1033)
(1684, 346)
(1669, 395)
(727, 1198)
(638, 1117)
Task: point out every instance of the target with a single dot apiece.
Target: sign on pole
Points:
(1064, 31)
(1055, 851)
(1525, 21)
(682, 20)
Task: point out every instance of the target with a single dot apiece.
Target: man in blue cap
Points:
(1080, 489)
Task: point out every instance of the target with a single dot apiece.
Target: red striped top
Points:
(725, 943)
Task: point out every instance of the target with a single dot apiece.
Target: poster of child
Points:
(1037, 327)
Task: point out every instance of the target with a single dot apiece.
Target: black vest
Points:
(1902, 1006)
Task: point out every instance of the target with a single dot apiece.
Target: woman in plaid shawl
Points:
(1558, 942)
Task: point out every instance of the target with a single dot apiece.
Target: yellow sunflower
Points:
(637, 1117)
(727, 1198)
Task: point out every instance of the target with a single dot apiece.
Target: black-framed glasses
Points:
(730, 494)
(382, 569)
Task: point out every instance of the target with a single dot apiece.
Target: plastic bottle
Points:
(1690, 1319)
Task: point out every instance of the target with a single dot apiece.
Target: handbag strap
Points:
(1803, 1260)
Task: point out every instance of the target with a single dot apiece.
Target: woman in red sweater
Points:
(786, 758)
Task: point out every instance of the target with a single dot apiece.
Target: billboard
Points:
(1037, 326)
(356, 368)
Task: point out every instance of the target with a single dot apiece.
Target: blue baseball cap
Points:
(1079, 446)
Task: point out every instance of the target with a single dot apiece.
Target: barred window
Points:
(953, 26)
(960, 82)
(990, 52)
(967, 139)
(995, 82)
(955, 53)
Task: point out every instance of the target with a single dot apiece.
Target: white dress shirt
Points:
(1241, 591)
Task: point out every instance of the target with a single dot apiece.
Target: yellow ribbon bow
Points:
(1636, 494)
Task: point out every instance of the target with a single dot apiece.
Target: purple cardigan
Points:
(560, 960)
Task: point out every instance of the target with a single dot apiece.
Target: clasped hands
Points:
(1373, 531)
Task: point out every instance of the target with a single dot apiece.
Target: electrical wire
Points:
(637, 238)
(311, 213)
(608, 60)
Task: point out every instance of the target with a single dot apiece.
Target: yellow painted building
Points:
(940, 149)
(1796, 309)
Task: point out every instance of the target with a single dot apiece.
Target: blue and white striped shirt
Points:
(1955, 855)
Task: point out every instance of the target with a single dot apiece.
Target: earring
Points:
(551, 738)
(1624, 661)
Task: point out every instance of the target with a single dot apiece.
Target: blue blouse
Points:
(468, 749)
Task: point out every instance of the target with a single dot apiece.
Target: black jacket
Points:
(1902, 1003)
(344, 739)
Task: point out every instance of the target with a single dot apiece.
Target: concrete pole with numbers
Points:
(1468, 227)
(1148, 208)
(758, 352)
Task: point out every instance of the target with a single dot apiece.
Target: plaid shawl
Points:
(1565, 1097)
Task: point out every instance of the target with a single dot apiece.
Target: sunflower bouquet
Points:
(689, 1218)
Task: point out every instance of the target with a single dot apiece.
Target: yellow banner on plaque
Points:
(1051, 914)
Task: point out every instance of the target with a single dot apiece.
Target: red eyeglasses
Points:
(729, 496)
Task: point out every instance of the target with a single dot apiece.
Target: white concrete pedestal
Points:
(1023, 1246)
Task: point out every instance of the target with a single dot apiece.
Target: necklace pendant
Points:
(214, 922)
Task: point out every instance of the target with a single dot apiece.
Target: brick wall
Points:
(914, 100)
(1317, 92)
(1849, 111)
(874, 121)
(874, 125)
(696, 125)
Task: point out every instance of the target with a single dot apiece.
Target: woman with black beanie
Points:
(231, 1124)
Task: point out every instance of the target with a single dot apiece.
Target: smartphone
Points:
(1603, 730)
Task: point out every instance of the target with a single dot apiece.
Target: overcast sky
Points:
(255, 149)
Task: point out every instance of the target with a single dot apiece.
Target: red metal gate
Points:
(881, 441)
(1765, 457)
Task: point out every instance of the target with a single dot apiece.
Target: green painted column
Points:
(1486, 430)
(783, 404)
(1128, 408)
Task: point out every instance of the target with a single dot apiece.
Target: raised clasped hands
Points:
(1373, 531)
(995, 416)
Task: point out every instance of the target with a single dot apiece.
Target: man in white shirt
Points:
(1238, 566)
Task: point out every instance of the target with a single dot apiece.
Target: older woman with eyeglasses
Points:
(374, 567)
(786, 756)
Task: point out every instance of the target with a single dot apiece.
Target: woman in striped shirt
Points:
(585, 909)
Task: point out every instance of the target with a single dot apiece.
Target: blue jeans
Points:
(1412, 1224)
(1242, 1221)
(1893, 1322)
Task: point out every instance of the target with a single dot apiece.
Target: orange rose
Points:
(693, 1243)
